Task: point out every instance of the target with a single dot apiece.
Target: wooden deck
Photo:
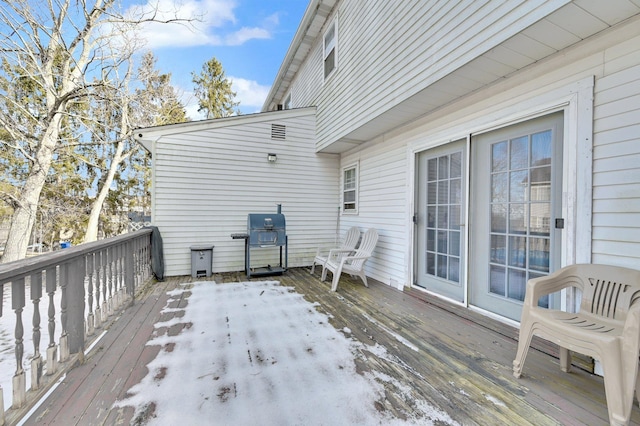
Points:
(451, 357)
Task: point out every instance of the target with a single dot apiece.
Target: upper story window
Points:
(330, 49)
(350, 189)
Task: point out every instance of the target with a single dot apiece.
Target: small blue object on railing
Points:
(65, 244)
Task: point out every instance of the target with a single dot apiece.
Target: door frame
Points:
(481, 114)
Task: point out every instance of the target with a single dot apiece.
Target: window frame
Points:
(327, 48)
(288, 102)
(355, 167)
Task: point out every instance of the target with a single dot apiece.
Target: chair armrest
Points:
(347, 258)
(568, 276)
(339, 251)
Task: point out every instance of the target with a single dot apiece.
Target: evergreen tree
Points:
(213, 90)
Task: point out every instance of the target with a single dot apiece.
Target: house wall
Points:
(207, 181)
(611, 205)
(415, 47)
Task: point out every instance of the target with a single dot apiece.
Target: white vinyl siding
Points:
(415, 46)
(382, 205)
(207, 181)
(616, 175)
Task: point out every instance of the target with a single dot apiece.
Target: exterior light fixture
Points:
(272, 158)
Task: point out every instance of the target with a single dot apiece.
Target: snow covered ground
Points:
(259, 353)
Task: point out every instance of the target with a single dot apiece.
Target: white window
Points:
(330, 49)
(350, 189)
(287, 102)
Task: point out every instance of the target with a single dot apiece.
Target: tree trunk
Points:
(91, 233)
(24, 215)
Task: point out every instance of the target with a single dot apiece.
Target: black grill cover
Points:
(266, 229)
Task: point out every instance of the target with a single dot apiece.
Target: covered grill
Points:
(265, 231)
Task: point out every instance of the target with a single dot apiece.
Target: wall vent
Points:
(278, 131)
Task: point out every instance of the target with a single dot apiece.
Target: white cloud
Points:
(250, 93)
(203, 23)
(246, 34)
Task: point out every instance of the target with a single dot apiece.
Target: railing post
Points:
(19, 379)
(52, 349)
(76, 302)
(36, 361)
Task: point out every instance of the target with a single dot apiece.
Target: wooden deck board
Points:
(449, 357)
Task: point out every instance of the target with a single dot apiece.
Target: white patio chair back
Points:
(348, 245)
(352, 264)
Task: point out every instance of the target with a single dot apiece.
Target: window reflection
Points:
(520, 216)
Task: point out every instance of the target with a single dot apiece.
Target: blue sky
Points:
(249, 38)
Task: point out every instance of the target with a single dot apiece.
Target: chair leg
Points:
(619, 403)
(363, 277)
(524, 340)
(565, 359)
(313, 267)
(336, 278)
(324, 273)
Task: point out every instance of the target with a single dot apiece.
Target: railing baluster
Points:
(64, 338)
(103, 272)
(98, 268)
(52, 349)
(129, 276)
(36, 361)
(19, 380)
(90, 318)
(110, 278)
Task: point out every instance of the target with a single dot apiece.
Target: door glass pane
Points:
(455, 191)
(454, 243)
(541, 148)
(517, 284)
(444, 206)
(497, 283)
(499, 156)
(443, 167)
(499, 218)
(539, 219)
(498, 249)
(519, 156)
(516, 219)
(454, 217)
(454, 269)
(499, 185)
(456, 165)
(519, 185)
(539, 254)
(517, 251)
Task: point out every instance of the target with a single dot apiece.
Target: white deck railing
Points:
(84, 286)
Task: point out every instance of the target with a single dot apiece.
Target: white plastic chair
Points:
(349, 242)
(607, 327)
(351, 264)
